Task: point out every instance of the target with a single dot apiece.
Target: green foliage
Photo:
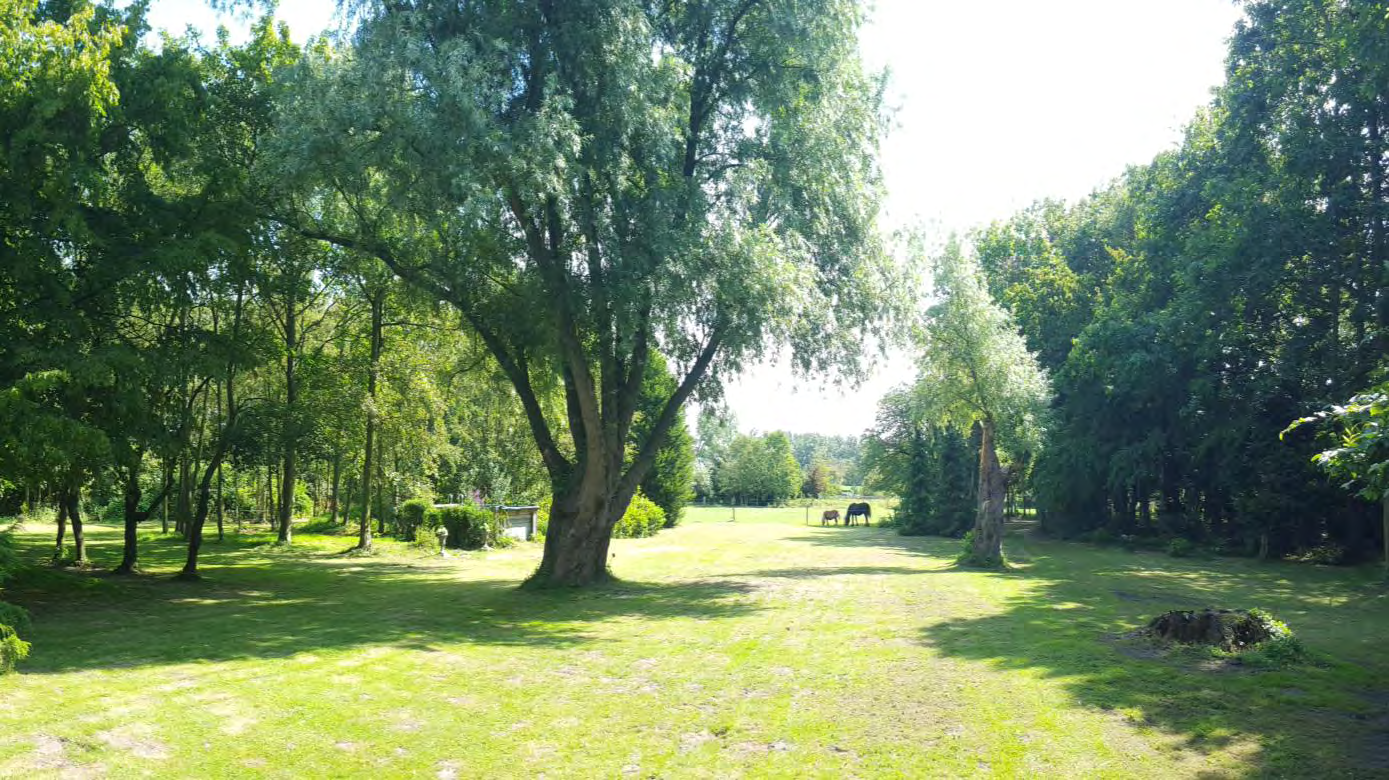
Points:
(12, 649)
(643, 518)
(1190, 309)
(1282, 649)
(470, 527)
(16, 617)
(1181, 547)
(670, 481)
(759, 469)
(411, 516)
(970, 557)
(13, 619)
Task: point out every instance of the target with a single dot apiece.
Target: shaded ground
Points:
(760, 648)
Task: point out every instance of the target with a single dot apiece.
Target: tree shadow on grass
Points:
(808, 572)
(269, 603)
(1314, 721)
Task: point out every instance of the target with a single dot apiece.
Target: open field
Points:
(761, 648)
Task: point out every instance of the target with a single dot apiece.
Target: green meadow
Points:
(764, 647)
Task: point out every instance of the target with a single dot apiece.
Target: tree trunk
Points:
(1384, 517)
(79, 541)
(286, 535)
(130, 553)
(378, 305)
(62, 528)
(576, 544)
(185, 495)
(988, 520)
(333, 500)
(195, 526)
(380, 483)
(221, 495)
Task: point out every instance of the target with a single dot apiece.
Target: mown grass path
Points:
(762, 648)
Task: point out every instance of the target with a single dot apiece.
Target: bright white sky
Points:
(999, 103)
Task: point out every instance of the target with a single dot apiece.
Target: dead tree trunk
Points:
(987, 549)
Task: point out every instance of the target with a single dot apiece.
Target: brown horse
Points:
(857, 510)
(828, 516)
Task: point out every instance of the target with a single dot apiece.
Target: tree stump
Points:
(1230, 630)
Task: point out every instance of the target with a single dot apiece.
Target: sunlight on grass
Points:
(763, 647)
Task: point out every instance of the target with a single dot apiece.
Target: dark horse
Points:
(860, 509)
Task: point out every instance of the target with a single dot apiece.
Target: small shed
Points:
(519, 522)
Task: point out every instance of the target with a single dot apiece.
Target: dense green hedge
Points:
(12, 619)
(470, 527)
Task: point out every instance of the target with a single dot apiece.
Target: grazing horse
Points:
(830, 515)
(857, 510)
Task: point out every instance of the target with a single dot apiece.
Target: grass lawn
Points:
(761, 648)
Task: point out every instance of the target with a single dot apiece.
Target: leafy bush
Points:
(1102, 536)
(12, 619)
(16, 617)
(542, 519)
(470, 527)
(1283, 648)
(1181, 547)
(642, 518)
(12, 649)
(411, 517)
(322, 526)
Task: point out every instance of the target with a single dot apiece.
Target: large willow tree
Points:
(591, 181)
(976, 369)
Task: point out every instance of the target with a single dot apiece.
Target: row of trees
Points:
(174, 351)
(1192, 309)
(378, 259)
(770, 468)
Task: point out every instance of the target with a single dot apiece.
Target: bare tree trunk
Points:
(378, 305)
(133, 515)
(287, 482)
(185, 494)
(988, 521)
(79, 541)
(337, 476)
(221, 496)
(62, 528)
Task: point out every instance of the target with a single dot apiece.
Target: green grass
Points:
(761, 648)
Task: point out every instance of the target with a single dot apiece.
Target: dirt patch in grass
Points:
(137, 739)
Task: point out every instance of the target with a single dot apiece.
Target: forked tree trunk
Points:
(576, 543)
(79, 541)
(130, 553)
(62, 528)
(133, 515)
(988, 519)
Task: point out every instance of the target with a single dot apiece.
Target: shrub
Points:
(470, 527)
(411, 517)
(16, 617)
(12, 649)
(642, 518)
(12, 619)
(968, 558)
(1181, 547)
